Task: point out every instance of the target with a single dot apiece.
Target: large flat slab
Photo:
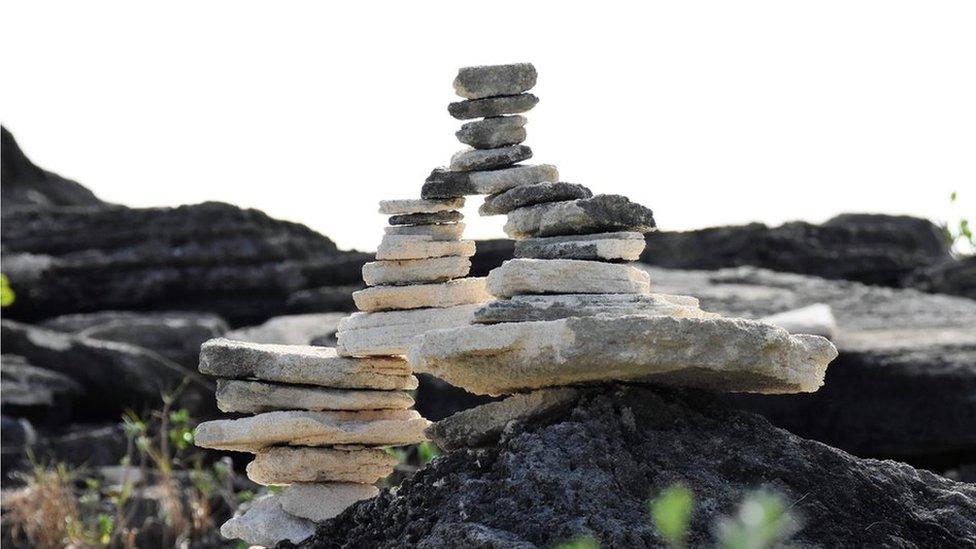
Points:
(601, 213)
(392, 332)
(412, 271)
(322, 501)
(302, 364)
(532, 308)
(265, 523)
(620, 246)
(719, 354)
(417, 296)
(443, 183)
(566, 276)
(244, 396)
(281, 465)
(300, 428)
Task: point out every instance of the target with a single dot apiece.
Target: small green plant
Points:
(7, 295)
(671, 513)
(763, 520)
(959, 234)
(585, 542)
(427, 451)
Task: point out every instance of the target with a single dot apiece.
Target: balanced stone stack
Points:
(571, 308)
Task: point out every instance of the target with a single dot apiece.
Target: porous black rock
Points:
(452, 216)
(590, 470)
(530, 195)
(492, 106)
(25, 184)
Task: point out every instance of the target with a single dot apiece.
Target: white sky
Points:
(708, 112)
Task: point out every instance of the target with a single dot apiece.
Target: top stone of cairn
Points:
(494, 80)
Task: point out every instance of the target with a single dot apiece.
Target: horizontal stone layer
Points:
(234, 395)
(444, 231)
(566, 276)
(622, 246)
(412, 271)
(322, 501)
(283, 465)
(531, 308)
(530, 195)
(443, 183)
(494, 132)
(494, 80)
(392, 332)
(408, 248)
(265, 523)
(427, 218)
(492, 106)
(415, 205)
(446, 294)
(489, 159)
(602, 213)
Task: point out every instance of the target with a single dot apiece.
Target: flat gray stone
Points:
(566, 276)
(483, 425)
(235, 395)
(446, 294)
(392, 332)
(494, 80)
(602, 213)
(622, 246)
(446, 231)
(718, 354)
(443, 183)
(301, 428)
(282, 465)
(530, 195)
(494, 132)
(322, 501)
(265, 523)
(412, 248)
(492, 106)
(426, 218)
(302, 364)
(489, 159)
(412, 271)
(531, 308)
(419, 205)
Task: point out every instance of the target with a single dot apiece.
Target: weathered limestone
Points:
(730, 355)
(530, 195)
(409, 271)
(301, 428)
(446, 294)
(427, 218)
(566, 276)
(265, 523)
(443, 183)
(494, 80)
(302, 364)
(235, 395)
(412, 206)
(320, 502)
(446, 231)
(401, 248)
(492, 106)
(279, 465)
(392, 332)
(490, 133)
(531, 308)
(623, 246)
(602, 213)
(489, 159)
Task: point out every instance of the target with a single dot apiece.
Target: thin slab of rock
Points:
(602, 213)
(489, 159)
(443, 183)
(302, 364)
(265, 523)
(411, 271)
(446, 294)
(301, 428)
(718, 354)
(483, 425)
(322, 501)
(622, 246)
(392, 332)
(566, 276)
(493, 132)
(492, 106)
(281, 465)
(427, 218)
(234, 395)
(445, 231)
(532, 308)
(494, 80)
(412, 206)
(409, 248)
(530, 195)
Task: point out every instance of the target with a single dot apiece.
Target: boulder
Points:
(950, 276)
(26, 185)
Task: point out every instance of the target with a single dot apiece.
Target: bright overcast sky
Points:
(708, 112)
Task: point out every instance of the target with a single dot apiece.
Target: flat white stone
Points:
(281, 465)
(391, 332)
(566, 276)
(320, 502)
(817, 319)
(402, 248)
(529, 308)
(625, 246)
(234, 395)
(446, 294)
(419, 205)
(303, 365)
(408, 271)
(300, 428)
(445, 231)
(719, 354)
(265, 523)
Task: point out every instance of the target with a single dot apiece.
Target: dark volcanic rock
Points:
(492, 106)
(26, 387)
(452, 216)
(24, 184)
(591, 469)
(530, 195)
(490, 254)
(952, 276)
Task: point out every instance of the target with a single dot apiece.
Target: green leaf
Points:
(585, 542)
(7, 295)
(427, 451)
(671, 512)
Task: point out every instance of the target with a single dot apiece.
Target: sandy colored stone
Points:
(601, 213)
(443, 183)
(392, 332)
(234, 395)
(494, 132)
(817, 319)
(492, 106)
(446, 294)
(494, 80)
(444, 231)
(718, 354)
(302, 364)
(417, 205)
(566, 276)
(322, 501)
(489, 159)
(401, 248)
(412, 271)
(531, 308)
(301, 428)
(265, 523)
(530, 195)
(435, 218)
(284, 465)
(622, 246)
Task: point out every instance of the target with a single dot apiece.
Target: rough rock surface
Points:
(446, 294)
(489, 159)
(951, 276)
(589, 471)
(492, 106)
(289, 465)
(532, 308)
(409, 248)
(25, 184)
(493, 132)
(413, 271)
(426, 218)
(265, 523)
(392, 332)
(622, 246)
(26, 386)
(602, 213)
(443, 183)
(245, 396)
(413, 206)
(446, 231)
(566, 276)
(494, 80)
(530, 195)
(321, 501)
